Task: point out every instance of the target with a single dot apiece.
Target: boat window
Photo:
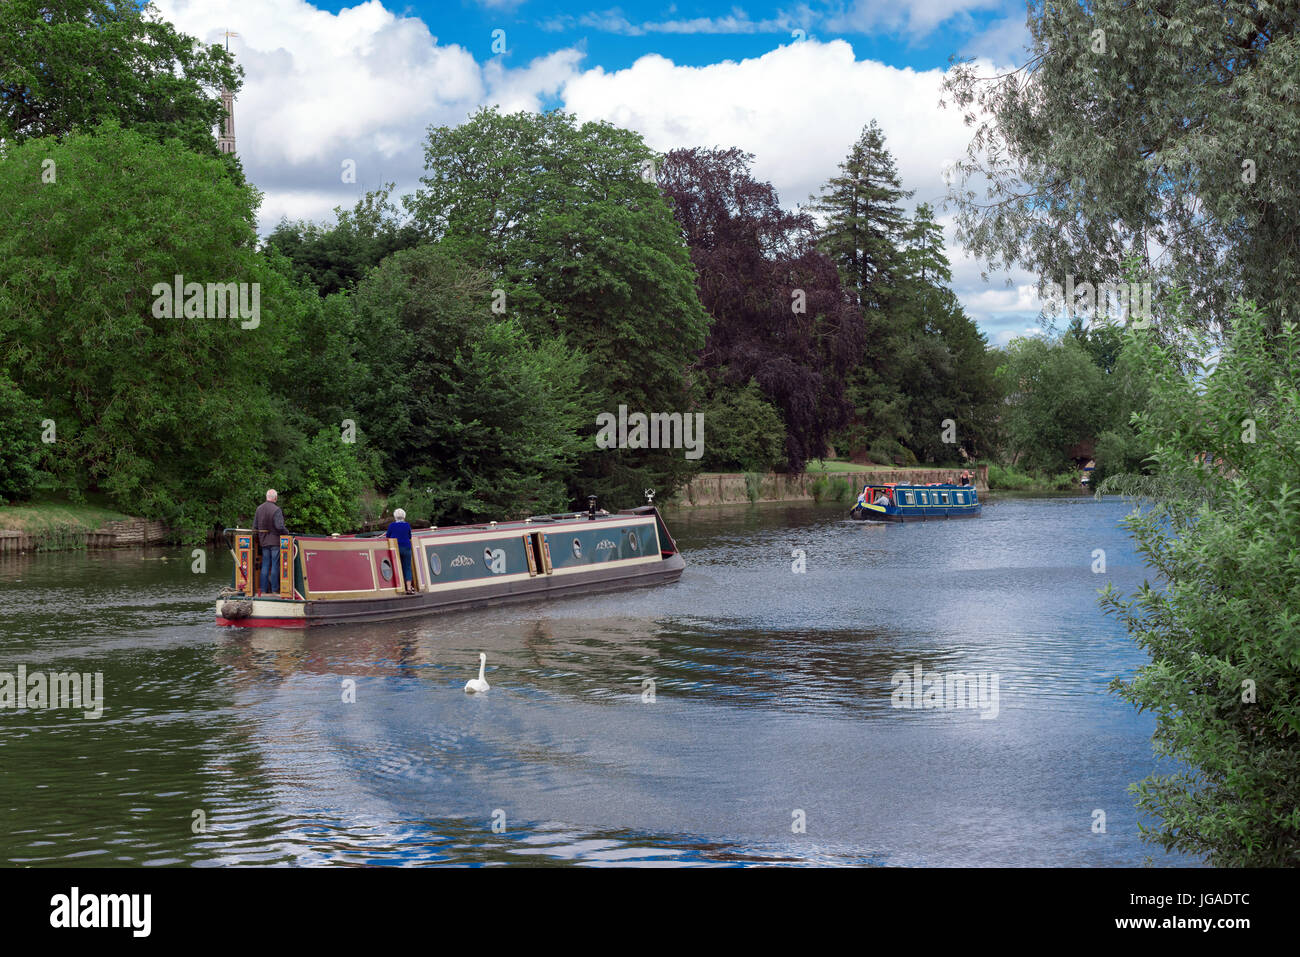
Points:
(960, 497)
(925, 498)
(909, 498)
(435, 563)
(945, 497)
(386, 569)
(631, 540)
(577, 548)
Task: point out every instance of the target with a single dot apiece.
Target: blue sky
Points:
(357, 85)
(922, 36)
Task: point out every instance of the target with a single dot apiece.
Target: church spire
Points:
(226, 141)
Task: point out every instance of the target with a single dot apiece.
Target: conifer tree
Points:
(863, 219)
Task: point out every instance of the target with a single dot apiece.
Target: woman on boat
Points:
(400, 530)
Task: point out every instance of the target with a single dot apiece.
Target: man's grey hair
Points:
(272, 495)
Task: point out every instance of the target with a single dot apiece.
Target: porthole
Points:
(435, 564)
(386, 569)
(631, 541)
(577, 548)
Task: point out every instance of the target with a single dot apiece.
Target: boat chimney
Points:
(591, 508)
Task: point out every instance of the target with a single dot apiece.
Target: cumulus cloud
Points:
(362, 85)
(798, 108)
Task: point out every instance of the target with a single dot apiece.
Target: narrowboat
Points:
(916, 503)
(350, 578)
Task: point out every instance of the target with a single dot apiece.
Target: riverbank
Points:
(61, 525)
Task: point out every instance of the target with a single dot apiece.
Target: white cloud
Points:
(798, 108)
(523, 88)
(363, 84)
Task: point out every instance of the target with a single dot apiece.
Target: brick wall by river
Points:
(109, 535)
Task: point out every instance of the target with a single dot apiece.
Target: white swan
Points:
(479, 683)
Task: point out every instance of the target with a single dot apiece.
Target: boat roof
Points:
(915, 485)
(532, 523)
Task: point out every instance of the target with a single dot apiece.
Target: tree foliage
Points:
(168, 415)
(321, 486)
(1051, 401)
(566, 219)
(1221, 530)
(745, 431)
(334, 258)
(19, 448)
(68, 65)
(461, 402)
(924, 363)
(1163, 131)
(781, 317)
(864, 218)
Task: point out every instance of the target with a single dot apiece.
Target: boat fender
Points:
(236, 609)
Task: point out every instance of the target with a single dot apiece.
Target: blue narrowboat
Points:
(916, 503)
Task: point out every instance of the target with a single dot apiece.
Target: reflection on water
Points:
(695, 724)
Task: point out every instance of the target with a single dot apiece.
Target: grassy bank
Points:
(47, 515)
(1008, 478)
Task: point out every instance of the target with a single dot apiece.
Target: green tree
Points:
(486, 416)
(864, 220)
(1220, 527)
(1100, 339)
(572, 229)
(1163, 131)
(508, 416)
(925, 362)
(20, 425)
(745, 431)
(1120, 448)
(172, 417)
(1051, 389)
(70, 65)
(336, 257)
(321, 487)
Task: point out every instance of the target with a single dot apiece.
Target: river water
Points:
(769, 734)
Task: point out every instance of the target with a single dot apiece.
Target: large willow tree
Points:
(1163, 131)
